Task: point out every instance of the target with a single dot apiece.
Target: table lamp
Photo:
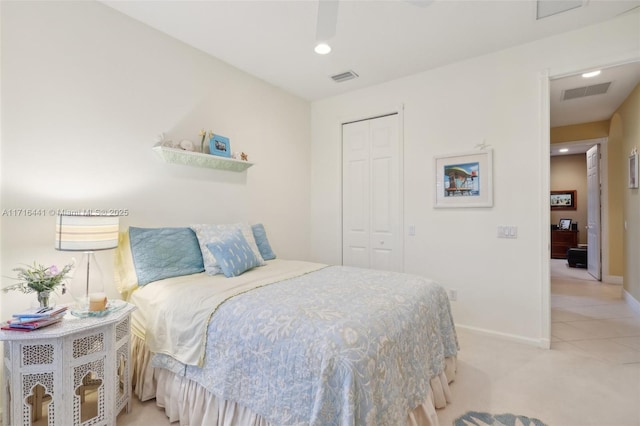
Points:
(87, 234)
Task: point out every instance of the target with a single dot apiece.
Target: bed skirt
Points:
(189, 403)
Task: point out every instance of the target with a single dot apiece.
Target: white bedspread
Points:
(181, 333)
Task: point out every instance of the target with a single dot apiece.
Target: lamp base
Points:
(87, 285)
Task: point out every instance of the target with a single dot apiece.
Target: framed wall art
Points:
(464, 180)
(219, 145)
(564, 224)
(633, 170)
(563, 200)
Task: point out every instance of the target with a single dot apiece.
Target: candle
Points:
(97, 301)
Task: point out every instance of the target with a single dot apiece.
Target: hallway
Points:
(592, 318)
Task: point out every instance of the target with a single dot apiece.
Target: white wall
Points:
(502, 284)
(85, 90)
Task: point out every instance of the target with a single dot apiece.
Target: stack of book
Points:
(35, 318)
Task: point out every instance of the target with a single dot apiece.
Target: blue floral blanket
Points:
(338, 346)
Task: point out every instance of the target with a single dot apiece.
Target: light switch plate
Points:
(507, 231)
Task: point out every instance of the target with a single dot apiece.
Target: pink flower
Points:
(53, 270)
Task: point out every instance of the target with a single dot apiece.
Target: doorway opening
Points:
(571, 123)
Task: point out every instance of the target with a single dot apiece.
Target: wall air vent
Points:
(581, 92)
(344, 76)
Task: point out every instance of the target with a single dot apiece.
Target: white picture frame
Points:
(464, 180)
(633, 170)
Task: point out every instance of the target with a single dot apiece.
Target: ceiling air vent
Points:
(581, 92)
(344, 76)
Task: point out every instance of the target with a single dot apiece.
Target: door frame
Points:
(545, 77)
(604, 201)
(594, 212)
(377, 113)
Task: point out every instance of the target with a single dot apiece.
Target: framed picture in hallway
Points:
(564, 224)
(563, 200)
(464, 180)
(633, 170)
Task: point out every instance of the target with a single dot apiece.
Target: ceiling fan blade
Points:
(327, 19)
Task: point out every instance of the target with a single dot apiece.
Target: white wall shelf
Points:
(197, 159)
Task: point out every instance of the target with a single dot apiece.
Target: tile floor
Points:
(591, 317)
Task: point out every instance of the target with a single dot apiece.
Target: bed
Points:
(280, 342)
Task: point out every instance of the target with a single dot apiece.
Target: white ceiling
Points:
(379, 40)
(587, 109)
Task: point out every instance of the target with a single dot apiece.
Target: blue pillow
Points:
(160, 253)
(262, 242)
(207, 233)
(233, 254)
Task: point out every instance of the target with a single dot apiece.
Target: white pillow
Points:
(207, 233)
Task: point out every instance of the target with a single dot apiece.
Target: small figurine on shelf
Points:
(202, 133)
(187, 145)
(161, 141)
(244, 157)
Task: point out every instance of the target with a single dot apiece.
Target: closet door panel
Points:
(355, 195)
(371, 193)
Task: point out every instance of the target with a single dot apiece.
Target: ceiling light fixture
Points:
(563, 150)
(591, 74)
(326, 25)
(322, 48)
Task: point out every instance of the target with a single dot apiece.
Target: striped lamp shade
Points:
(86, 233)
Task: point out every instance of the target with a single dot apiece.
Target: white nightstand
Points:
(75, 372)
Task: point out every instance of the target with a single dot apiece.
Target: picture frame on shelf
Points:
(633, 170)
(464, 180)
(564, 224)
(220, 146)
(563, 200)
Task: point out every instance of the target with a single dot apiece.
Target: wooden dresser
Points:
(561, 241)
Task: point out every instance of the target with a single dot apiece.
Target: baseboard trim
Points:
(631, 301)
(612, 279)
(540, 343)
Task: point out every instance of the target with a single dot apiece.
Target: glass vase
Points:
(44, 298)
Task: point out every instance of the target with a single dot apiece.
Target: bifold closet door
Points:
(371, 191)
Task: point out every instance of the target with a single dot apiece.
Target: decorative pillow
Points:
(208, 233)
(262, 242)
(160, 253)
(233, 254)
